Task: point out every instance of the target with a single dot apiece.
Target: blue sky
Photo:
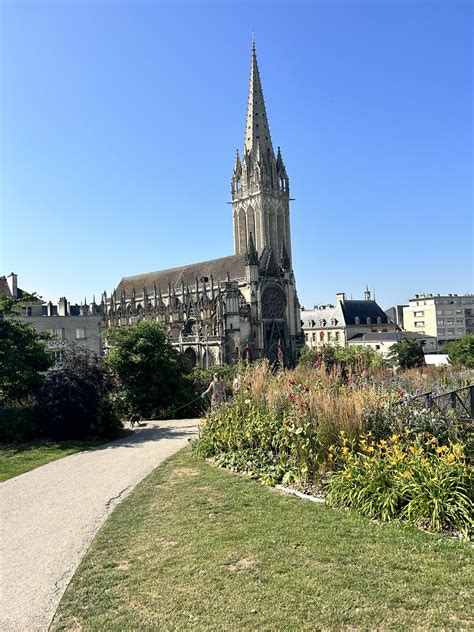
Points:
(120, 121)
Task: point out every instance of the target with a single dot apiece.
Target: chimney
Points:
(49, 308)
(367, 294)
(341, 296)
(12, 281)
(62, 306)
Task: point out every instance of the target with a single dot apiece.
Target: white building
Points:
(446, 317)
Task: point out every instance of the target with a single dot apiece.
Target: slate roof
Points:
(388, 336)
(4, 289)
(363, 309)
(234, 266)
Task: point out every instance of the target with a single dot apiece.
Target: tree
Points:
(74, 402)
(408, 354)
(23, 356)
(461, 352)
(149, 372)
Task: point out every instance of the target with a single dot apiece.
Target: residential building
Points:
(382, 342)
(337, 324)
(395, 315)
(67, 324)
(446, 317)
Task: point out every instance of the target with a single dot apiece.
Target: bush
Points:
(17, 423)
(74, 401)
(421, 482)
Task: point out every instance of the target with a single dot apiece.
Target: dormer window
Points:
(333, 322)
(379, 321)
(322, 322)
(369, 320)
(357, 320)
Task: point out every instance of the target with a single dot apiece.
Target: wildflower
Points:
(394, 438)
(406, 474)
(370, 448)
(247, 401)
(291, 397)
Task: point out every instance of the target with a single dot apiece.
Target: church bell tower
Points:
(260, 185)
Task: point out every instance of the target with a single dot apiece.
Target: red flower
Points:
(291, 397)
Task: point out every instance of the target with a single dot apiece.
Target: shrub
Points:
(17, 423)
(74, 401)
(418, 481)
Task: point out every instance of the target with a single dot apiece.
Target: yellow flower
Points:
(394, 438)
(370, 448)
(407, 474)
(450, 458)
(382, 443)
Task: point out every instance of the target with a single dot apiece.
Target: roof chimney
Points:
(341, 296)
(367, 293)
(12, 281)
(62, 306)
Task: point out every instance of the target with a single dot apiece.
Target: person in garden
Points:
(216, 388)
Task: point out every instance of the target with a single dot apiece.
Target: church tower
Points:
(260, 185)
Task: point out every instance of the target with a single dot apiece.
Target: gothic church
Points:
(242, 306)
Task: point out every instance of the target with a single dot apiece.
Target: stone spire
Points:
(257, 130)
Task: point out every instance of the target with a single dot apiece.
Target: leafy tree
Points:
(408, 354)
(23, 355)
(74, 401)
(150, 374)
(461, 352)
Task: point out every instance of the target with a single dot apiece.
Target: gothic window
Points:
(273, 302)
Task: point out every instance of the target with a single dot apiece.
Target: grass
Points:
(198, 548)
(18, 458)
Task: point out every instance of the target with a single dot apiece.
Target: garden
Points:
(365, 437)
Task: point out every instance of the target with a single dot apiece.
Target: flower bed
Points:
(288, 427)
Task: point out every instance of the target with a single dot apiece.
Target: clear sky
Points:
(120, 122)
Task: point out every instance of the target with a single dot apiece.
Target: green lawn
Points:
(197, 548)
(18, 458)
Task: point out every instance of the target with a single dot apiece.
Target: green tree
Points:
(408, 354)
(150, 374)
(461, 352)
(23, 356)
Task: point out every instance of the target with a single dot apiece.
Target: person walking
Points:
(216, 388)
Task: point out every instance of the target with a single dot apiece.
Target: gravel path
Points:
(50, 515)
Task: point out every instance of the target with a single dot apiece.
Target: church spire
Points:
(257, 128)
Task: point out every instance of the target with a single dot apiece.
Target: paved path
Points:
(50, 515)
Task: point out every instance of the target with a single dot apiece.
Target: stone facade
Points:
(244, 305)
(339, 323)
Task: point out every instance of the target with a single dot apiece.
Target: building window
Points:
(333, 322)
(57, 333)
(321, 335)
(377, 347)
(419, 323)
(322, 323)
(336, 335)
(357, 320)
(80, 333)
(368, 320)
(379, 320)
(27, 311)
(440, 323)
(417, 314)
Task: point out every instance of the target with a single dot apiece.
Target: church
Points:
(243, 306)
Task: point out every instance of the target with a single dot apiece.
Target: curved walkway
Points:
(50, 515)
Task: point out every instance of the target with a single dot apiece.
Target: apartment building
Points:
(446, 317)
